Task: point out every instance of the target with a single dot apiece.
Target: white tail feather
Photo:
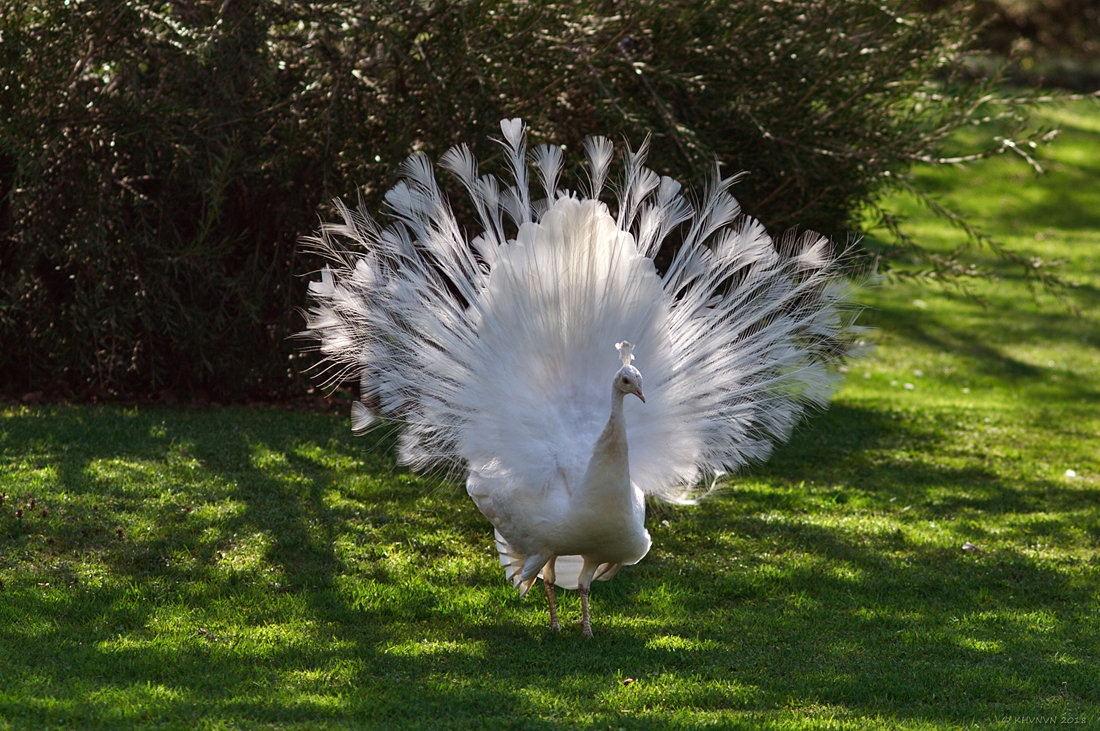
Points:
(499, 348)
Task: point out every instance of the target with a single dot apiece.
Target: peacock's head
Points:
(629, 378)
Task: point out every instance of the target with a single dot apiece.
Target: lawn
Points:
(925, 554)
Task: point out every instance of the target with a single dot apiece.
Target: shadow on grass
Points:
(991, 360)
(735, 610)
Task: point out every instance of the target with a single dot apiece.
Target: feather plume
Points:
(494, 352)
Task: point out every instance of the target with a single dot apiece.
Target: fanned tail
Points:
(499, 348)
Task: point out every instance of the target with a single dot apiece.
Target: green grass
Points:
(227, 568)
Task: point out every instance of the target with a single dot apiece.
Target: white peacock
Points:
(496, 353)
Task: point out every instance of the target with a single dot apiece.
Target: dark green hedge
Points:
(159, 161)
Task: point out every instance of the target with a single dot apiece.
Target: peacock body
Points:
(496, 353)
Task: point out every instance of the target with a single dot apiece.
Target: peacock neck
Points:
(616, 418)
(613, 438)
(607, 479)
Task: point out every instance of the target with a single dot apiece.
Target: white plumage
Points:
(497, 353)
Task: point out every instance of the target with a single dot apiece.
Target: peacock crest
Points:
(626, 352)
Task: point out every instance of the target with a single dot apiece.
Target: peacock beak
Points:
(638, 393)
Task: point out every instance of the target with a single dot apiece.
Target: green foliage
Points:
(241, 568)
(159, 161)
(150, 215)
(1037, 30)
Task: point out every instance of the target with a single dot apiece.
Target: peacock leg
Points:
(586, 623)
(548, 582)
(583, 583)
